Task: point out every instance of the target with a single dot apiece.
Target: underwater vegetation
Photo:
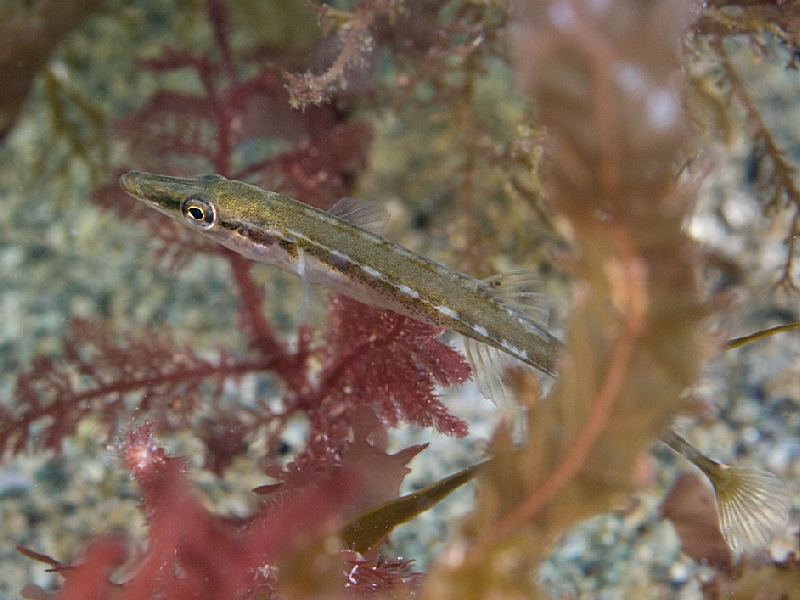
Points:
(563, 137)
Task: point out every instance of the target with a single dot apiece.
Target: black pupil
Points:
(196, 213)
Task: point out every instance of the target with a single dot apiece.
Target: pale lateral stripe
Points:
(375, 273)
(410, 292)
(448, 312)
(299, 236)
(340, 255)
(480, 330)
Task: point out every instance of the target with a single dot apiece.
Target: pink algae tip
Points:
(141, 451)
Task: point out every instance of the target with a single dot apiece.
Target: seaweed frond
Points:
(602, 77)
(102, 377)
(767, 26)
(356, 44)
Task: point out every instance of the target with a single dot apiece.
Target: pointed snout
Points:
(130, 182)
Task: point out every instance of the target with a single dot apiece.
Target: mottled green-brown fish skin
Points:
(753, 505)
(322, 248)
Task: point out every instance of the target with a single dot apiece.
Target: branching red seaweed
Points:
(377, 369)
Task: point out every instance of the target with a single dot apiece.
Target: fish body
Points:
(324, 248)
(331, 249)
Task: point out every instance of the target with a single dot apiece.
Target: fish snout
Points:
(131, 183)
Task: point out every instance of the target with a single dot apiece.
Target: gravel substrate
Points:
(58, 262)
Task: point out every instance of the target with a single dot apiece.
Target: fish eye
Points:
(198, 213)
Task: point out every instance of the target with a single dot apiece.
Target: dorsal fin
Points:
(362, 213)
(520, 290)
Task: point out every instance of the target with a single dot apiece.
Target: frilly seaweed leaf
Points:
(148, 372)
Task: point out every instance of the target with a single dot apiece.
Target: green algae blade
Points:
(368, 529)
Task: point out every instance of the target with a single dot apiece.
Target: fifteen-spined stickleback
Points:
(342, 250)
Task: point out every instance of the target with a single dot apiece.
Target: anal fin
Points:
(488, 365)
(312, 310)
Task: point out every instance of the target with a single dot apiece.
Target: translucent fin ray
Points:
(362, 213)
(753, 506)
(521, 291)
(487, 368)
(312, 310)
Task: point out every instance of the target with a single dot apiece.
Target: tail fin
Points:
(753, 506)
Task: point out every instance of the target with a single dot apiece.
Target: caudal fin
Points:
(753, 506)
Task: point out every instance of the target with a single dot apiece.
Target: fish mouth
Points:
(162, 192)
(131, 183)
(147, 186)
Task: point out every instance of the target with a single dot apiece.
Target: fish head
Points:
(239, 216)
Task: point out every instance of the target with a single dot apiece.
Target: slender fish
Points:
(342, 249)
